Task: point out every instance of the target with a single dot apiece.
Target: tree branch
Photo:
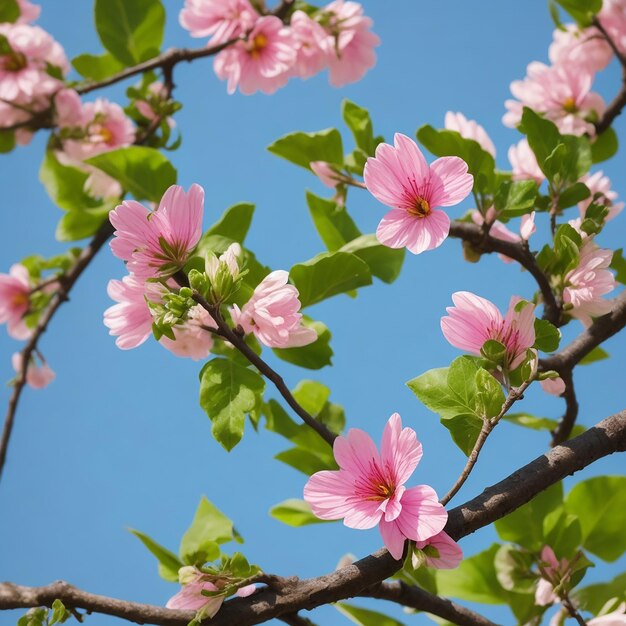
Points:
(567, 422)
(495, 502)
(416, 598)
(519, 252)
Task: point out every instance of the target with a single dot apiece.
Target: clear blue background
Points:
(119, 440)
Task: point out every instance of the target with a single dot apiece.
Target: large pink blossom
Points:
(273, 314)
(24, 76)
(312, 45)
(37, 376)
(29, 12)
(600, 184)
(369, 488)
(469, 129)
(524, 163)
(562, 93)
(191, 339)
(261, 63)
(583, 48)
(474, 320)
(441, 552)
(222, 20)
(400, 177)
(15, 291)
(588, 283)
(158, 243)
(351, 51)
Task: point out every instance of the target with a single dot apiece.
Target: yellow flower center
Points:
(570, 105)
(105, 134)
(421, 208)
(20, 299)
(258, 43)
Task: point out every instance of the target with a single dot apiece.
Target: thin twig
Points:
(566, 424)
(488, 425)
(573, 612)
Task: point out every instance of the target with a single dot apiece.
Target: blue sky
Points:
(119, 439)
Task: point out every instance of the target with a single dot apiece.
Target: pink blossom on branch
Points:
(562, 93)
(400, 177)
(273, 314)
(326, 172)
(15, 291)
(612, 16)
(469, 129)
(524, 163)
(29, 12)
(158, 243)
(583, 48)
(369, 488)
(588, 283)
(312, 43)
(474, 320)
(600, 185)
(261, 63)
(191, 339)
(440, 552)
(222, 20)
(351, 47)
(553, 386)
(37, 376)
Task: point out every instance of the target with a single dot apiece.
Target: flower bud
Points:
(188, 574)
(223, 273)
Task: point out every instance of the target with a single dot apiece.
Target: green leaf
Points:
(618, 263)
(365, 617)
(142, 171)
(525, 525)
(604, 146)
(131, 30)
(314, 356)
(359, 122)
(227, 393)
(7, 141)
(513, 569)
(332, 222)
(76, 225)
(594, 597)
(97, 66)
(475, 579)
(296, 513)
(169, 563)
(573, 195)
(515, 198)
(234, 222)
(453, 394)
(597, 354)
(450, 143)
(329, 274)
(312, 396)
(539, 423)
(489, 397)
(210, 527)
(547, 336)
(599, 504)
(581, 10)
(303, 461)
(385, 263)
(302, 148)
(9, 11)
(65, 184)
(562, 532)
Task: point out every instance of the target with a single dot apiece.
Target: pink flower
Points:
(368, 489)
(585, 49)
(400, 178)
(28, 12)
(552, 572)
(553, 386)
(469, 129)
(524, 163)
(600, 184)
(24, 77)
(562, 93)
(15, 291)
(149, 108)
(351, 50)
(190, 598)
(130, 320)
(474, 320)
(588, 282)
(37, 376)
(326, 172)
(441, 552)
(222, 20)
(312, 43)
(272, 314)
(527, 226)
(261, 63)
(158, 243)
(614, 618)
(612, 16)
(498, 230)
(68, 108)
(192, 340)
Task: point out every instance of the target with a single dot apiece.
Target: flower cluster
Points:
(369, 490)
(267, 52)
(32, 67)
